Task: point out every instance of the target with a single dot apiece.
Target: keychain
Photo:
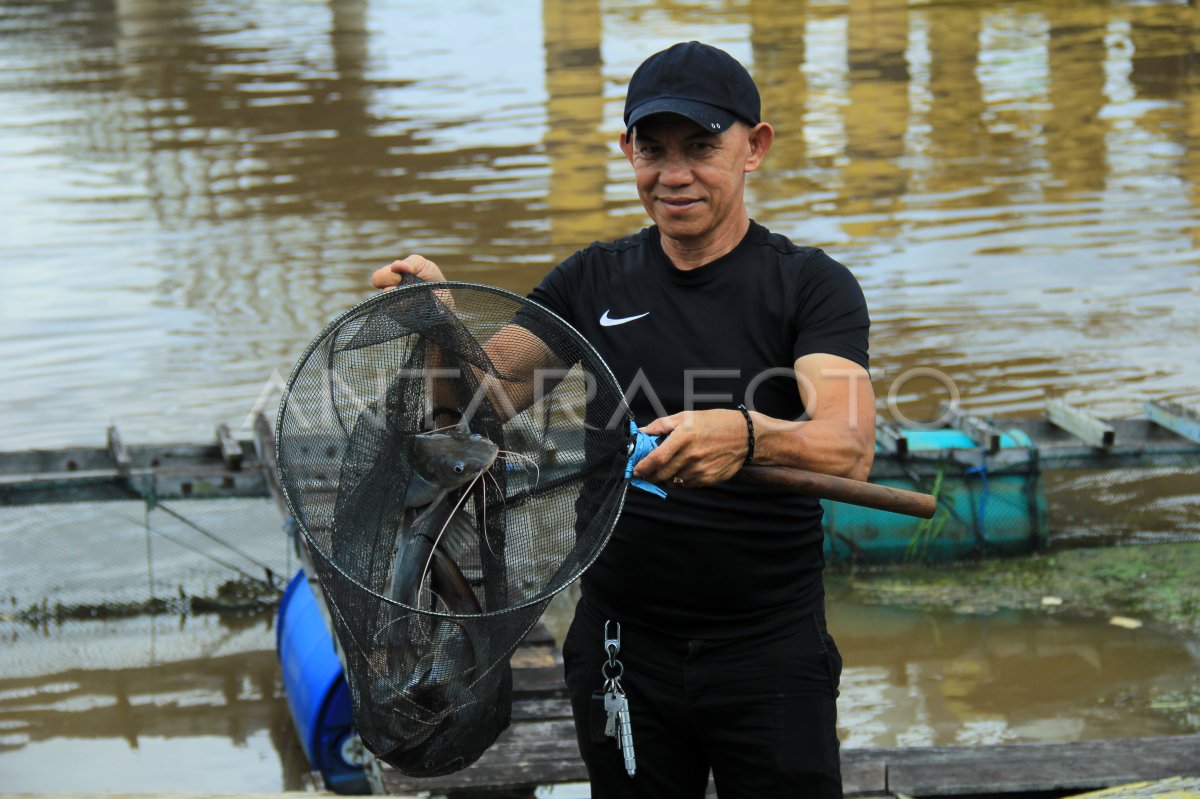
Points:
(616, 705)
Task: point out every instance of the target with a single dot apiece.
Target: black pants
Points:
(759, 712)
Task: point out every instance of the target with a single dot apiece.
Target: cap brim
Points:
(709, 117)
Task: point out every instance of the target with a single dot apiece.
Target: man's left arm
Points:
(838, 437)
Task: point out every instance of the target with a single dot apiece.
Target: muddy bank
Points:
(1155, 584)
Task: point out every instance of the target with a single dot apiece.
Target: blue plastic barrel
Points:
(316, 690)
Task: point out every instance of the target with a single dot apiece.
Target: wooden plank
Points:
(541, 709)
(118, 471)
(539, 681)
(118, 452)
(542, 753)
(1140, 443)
(75, 459)
(1033, 767)
(1174, 787)
(231, 450)
(890, 437)
(1135, 433)
(849, 788)
(863, 774)
(105, 485)
(264, 442)
(67, 459)
(981, 431)
(1080, 424)
(526, 754)
(1181, 421)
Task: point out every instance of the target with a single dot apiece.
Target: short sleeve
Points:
(553, 293)
(831, 312)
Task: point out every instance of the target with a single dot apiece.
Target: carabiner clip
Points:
(612, 645)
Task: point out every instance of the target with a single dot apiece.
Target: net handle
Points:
(841, 489)
(799, 481)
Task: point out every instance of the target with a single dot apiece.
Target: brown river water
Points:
(190, 190)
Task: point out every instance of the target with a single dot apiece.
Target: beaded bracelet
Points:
(749, 435)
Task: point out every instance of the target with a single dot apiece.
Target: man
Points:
(727, 663)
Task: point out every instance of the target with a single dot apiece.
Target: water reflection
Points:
(1013, 185)
(145, 704)
(575, 140)
(874, 177)
(921, 678)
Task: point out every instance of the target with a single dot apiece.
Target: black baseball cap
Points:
(695, 80)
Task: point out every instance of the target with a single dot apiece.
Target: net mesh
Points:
(454, 455)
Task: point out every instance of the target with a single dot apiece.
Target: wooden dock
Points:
(1058, 769)
(540, 749)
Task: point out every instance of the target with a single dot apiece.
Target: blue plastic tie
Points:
(643, 445)
(981, 508)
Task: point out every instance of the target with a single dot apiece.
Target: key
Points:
(611, 703)
(625, 730)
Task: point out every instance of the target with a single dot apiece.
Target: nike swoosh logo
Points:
(608, 321)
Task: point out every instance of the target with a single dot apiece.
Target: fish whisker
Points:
(526, 458)
(520, 455)
(437, 539)
(499, 489)
(483, 529)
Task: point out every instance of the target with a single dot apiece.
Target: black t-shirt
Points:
(731, 559)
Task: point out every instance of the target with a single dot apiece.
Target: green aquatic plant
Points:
(928, 530)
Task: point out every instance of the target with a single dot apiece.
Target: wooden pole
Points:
(842, 489)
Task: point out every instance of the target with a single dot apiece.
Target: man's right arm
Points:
(514, 351)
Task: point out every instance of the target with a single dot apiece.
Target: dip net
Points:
(454, 456)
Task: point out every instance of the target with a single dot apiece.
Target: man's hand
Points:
(709, 447)
(390, 276)
(702, 448)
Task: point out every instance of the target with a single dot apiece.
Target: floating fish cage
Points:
(989, 503)
(992, 480)
(1001, 487)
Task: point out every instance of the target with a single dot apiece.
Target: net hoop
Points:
(391, 295)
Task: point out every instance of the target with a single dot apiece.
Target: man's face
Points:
(690, 180)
